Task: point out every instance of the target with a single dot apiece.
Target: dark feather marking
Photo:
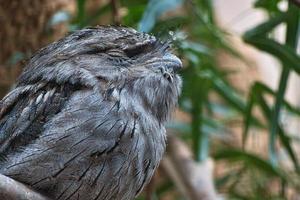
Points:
(123, 131)
(112, 126)
(136, 144)
(78, 188)
(109, 92)
(101, 123)
(63, 192)
(99, 174)
(82, 140)
(137, 173)
(133, 130)
(39, 181)
(47, 135)
(118, 140)
(113, 147)
(85, 171)
(18, 163)
(11, 175)
(95, 50)
(118, 105)
(133, 147)
(115, 104)
(117, 187)
(58, 139)
(38, 152)
(119, 170)
(107, 193)
(98, 195)
(70, 160)
(47, 149)
(145, 176)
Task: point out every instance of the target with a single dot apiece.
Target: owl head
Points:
(107, 57)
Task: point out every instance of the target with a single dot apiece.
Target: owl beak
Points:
(173, 62)
(168, 76)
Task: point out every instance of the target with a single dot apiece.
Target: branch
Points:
(13, 190)
(115, 12)
(194, 180)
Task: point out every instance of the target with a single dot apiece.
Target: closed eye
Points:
(136, 50)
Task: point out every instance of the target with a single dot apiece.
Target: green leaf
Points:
(262, 88)
(223, 180)
(282, 136)
(257, 37)
(283, 52)
(286, 142)
(257, 89)
(270, 6)
(291, 41)
(248, 115)
(249, 160)
(265, 27)
(229, 94)
(135, 13)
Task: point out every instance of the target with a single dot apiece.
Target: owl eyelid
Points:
(132, 52)
(138, 49)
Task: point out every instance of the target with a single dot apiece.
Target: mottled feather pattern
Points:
(86, 119)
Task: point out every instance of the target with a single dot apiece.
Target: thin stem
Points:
(196, 128)
(275, 116)
(115, 12)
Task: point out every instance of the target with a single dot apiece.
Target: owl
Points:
(86, 118)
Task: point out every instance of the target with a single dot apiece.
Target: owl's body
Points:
(86, 118)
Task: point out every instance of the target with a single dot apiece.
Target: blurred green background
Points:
(216, 119)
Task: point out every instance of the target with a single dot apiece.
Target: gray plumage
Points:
(86, 119)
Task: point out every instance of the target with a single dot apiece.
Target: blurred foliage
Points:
(208, 97)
